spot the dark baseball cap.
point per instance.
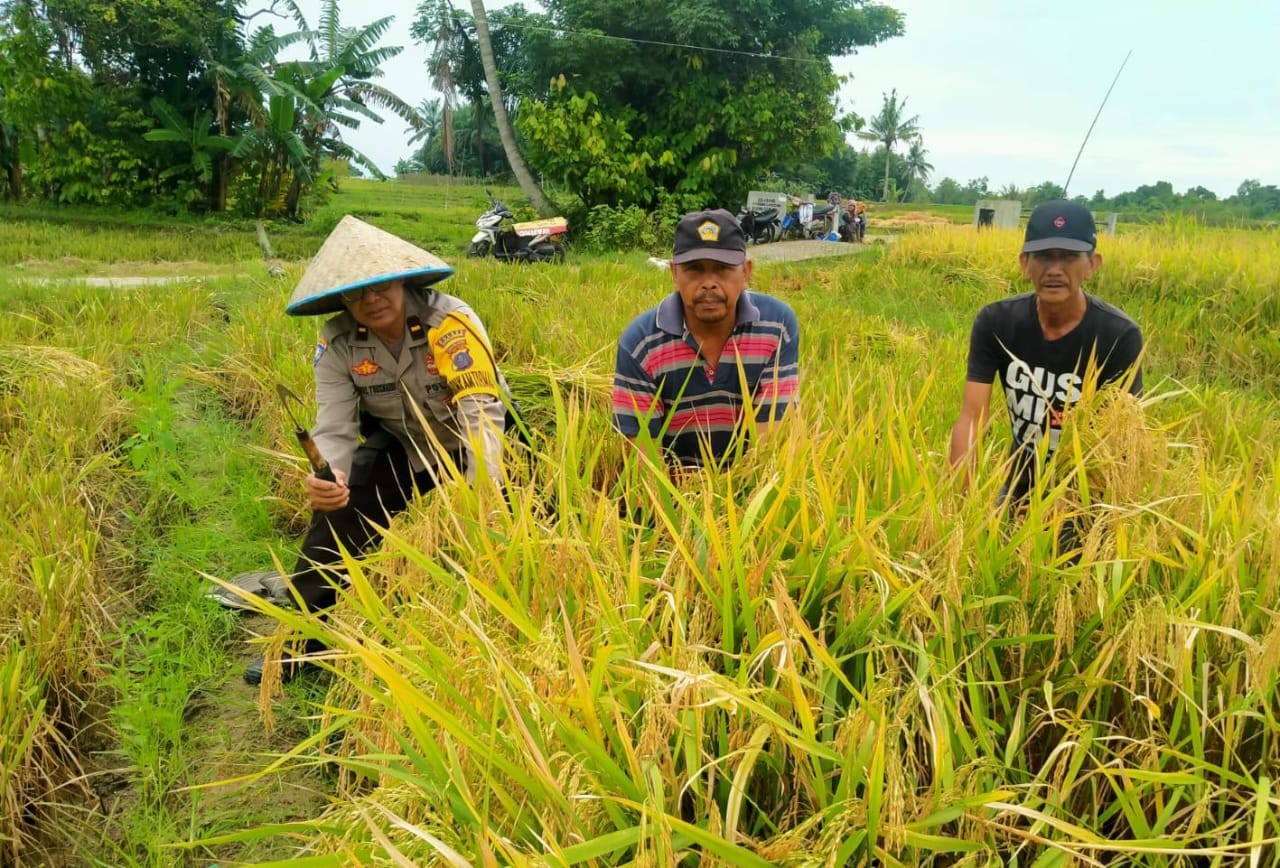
(1060, 225)
(715, 235)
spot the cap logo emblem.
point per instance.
(1059, 222)
(709, 231)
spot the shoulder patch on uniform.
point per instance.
(321, 347)
(460, 353)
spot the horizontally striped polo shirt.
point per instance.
(661, 382)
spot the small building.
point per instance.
(1005, 213)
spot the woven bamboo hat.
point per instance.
(356, 255)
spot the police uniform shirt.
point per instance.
(445, 368)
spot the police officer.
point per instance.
(398, 354)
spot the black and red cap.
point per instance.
(1060, 225)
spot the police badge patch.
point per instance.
(321, 346)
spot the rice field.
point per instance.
(832, 654)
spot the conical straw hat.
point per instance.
(356, 255)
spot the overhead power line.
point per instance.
(610, 37)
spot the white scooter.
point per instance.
(532, 241)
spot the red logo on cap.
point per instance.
(1059, 222)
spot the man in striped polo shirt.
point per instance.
(690, 370)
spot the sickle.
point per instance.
(318, 464)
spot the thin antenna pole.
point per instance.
(1095, 121)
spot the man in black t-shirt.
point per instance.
(1043, 344)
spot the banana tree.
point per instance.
(277, 150)
(204, 147)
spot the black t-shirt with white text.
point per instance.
(1043, 377)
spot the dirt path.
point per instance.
(127, 282)
(231, 742)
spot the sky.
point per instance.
(1007, 88)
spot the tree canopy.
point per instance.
(134, 102)
(691, 99)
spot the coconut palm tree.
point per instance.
(430, 120)
(888, 128)
(448, 31)
(917, 162)
(514, 159)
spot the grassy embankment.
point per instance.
(828, 653)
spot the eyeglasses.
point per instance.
(351, 296)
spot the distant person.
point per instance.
(851, 228)
(834, 199)
(682, 366)
(398, 352)
(1044, 343)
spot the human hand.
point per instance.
(328, 496)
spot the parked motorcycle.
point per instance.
(820, 225)
(531, 241)
(761, 226)
(792, 228)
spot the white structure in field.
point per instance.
(1005, 213)
(758, 200)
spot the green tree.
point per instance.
(711, 96)
(918, 166)
(450, 34)
(430, 124)
(1044, 193)
(199, 139)
(890, 126)
(948, 192)
(1259, 200)
(975, 189)
(279, 153)
(334, 89)
(869, 176)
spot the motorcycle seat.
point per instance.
(767, 215)
(550, 226)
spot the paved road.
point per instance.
(787, 251)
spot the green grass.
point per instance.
(829, 655)
(136, 479)
(47, 239)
